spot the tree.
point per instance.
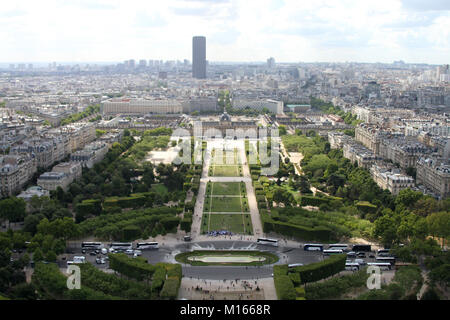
(12, 209)
(408, 197)
(439, 224)
(37, 255)
(386, 229)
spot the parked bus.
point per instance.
(332, 251)
(362, 247)
(91, 245)
(293, 265)
(391, 260)
(337, 246)
(147, 245)
(352, 266)
(121, 245)
(382, 265)
(313, 247)
(271, 242)
(383, 252)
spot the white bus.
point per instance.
(146, 245)
(391, 260)
(382, 265)
(383, 252)
(332, 251)
(313, 247)
(271, 242)
(293, 265)
(352, 266)
(91, 245)
(121, 245)
(341, 246)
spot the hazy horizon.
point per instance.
(238, 31)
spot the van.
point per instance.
(104, 251)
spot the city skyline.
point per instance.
(382, 31)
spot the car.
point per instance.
(63, 258)
(104, 251)
(98, 261)
(351, 254)
(138, 252)
(129, 251)
(83, 251)
(371, 255)
(112, 250)
(92, 253)
(361, 254)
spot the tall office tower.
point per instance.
(142, 63)
(271, 63)
(199, 57)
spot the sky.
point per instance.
(416, 31)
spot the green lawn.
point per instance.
(222, 204)
(231, 222)
(226, 171)
(226, 188)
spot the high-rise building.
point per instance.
(271, 63)
(199, 57)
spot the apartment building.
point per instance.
(15, 171)
(391, 179)
(434, 174)
(359, 154)
(91, 154)
(61, 175)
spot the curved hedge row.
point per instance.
(291, 230)
(321, 270)
(165, 277)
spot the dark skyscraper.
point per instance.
(199, 57)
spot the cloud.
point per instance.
(236, 30)
(428, 5)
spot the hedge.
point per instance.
(305, 233)
(185, 224)
(125, 202)
(321, 270)
(284, 287)
(90, 206)
(366, 207)
(170, 288)
(135, 268)
(158, 278)
(131, 232)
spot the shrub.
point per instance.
(321, 270)
(170, 288)
(284, 287)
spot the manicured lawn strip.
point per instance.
(183, 257)
(248, 223)
(226, 171)
(226, 188)
(226, 204)
(205, 223)
(230, 222)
